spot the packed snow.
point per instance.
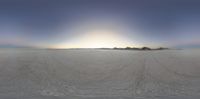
(99, 74)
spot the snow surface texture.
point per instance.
(99, 74)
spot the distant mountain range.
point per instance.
(127, 48)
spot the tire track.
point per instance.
(172, 71)
(139, 82)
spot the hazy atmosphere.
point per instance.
(99, 49)
(99, 23)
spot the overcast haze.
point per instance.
(99, 23)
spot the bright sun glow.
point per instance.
(96, 39)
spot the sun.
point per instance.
(96, 39)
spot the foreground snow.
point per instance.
(99, 74)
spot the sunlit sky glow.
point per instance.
(96, 39)
(99, 23)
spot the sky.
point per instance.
(99, 23)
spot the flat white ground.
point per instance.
(99, 74)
